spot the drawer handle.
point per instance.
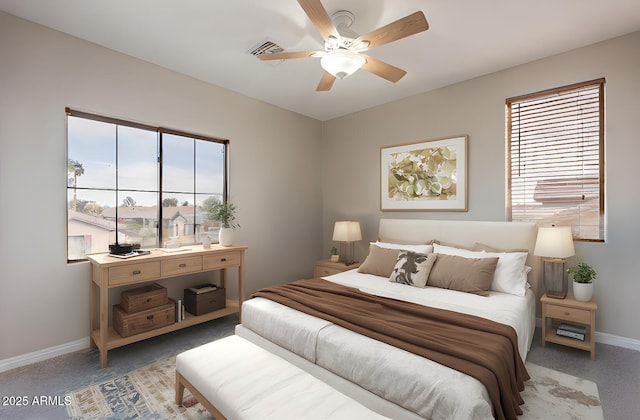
(223, 259)
(150, 317)
(183, 265)
(567, 313)
(136, 272)
(148, 300)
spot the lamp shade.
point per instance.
(347, 232)
(342, 63)
(554, 242)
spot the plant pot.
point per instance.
(226, 236)
(583, 292)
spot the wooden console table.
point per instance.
(109, 272)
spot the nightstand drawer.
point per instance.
(569, 314)
(324, 268)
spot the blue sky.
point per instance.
(93, 144)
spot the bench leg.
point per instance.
(179, 389)
(182, 383)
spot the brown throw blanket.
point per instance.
(483, 349)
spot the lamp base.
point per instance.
(347, 251)
(554, 277)
(556, 295)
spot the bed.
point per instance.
(390, 380)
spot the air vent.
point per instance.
(266, 47)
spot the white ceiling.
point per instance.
(209, 40)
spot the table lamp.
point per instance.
(347, 233)
(555, 244)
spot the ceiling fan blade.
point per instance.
(326, 83)
(288, 55)
(319, 17)
(401, 28)
(382, 69)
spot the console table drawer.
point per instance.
(177, 266)
(569, 314)
(132, 273)
(227, 259)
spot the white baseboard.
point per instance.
(40, 355)
(616, 340)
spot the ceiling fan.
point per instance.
(342, 54)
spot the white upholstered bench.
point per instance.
(236, 379)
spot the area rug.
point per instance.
(148, 393)
(145, 393)
(550, 394)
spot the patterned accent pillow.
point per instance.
(412, 268)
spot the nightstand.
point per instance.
(326, 268)
(571, 311)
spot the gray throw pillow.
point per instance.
(471, 275)
(379, 262)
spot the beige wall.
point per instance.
(350, 172)
(274, 173)
(286, 210)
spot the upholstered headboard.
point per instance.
(500, 235)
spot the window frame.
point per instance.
(548, 93)
(159, 131)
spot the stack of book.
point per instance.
(179, 311)
(572, 331)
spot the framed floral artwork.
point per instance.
(427, 176)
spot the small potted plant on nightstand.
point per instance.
(225, 213)
(334, 254)
(583, 275)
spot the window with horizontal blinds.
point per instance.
(555, 158)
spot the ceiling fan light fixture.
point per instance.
(331, 44)
(342, 63)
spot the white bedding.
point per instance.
(417, 384)
(515, 311)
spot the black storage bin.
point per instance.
(204, 298)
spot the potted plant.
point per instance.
(334, 254)
(225, 214)
(583, 275)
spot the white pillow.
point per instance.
(420, 249)
(510, 275)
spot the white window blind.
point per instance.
(555, 158)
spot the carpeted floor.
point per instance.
(56, 377)
(149, 393)
(616, 371)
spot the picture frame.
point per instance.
(426, 176)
